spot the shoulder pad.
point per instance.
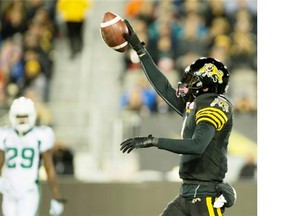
(213, 100)
(214, 109)
(44, 131)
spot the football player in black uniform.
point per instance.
(207, 125)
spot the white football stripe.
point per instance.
(110, 22)
(120, 46)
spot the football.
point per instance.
(112, 28)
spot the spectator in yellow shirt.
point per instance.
(73, 12)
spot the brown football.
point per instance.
(112, 28)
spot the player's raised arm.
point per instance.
(156, 78)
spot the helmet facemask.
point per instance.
(189, 86)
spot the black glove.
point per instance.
(133, 40)
(138, 142)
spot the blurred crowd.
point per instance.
(27, 33)
(28, 30)
(176, 32)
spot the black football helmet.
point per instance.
(205, 72)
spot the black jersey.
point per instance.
(212, 165)
(207, 124)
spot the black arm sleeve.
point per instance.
(203, 135)
(161, 84)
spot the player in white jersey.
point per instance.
(22, 149)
